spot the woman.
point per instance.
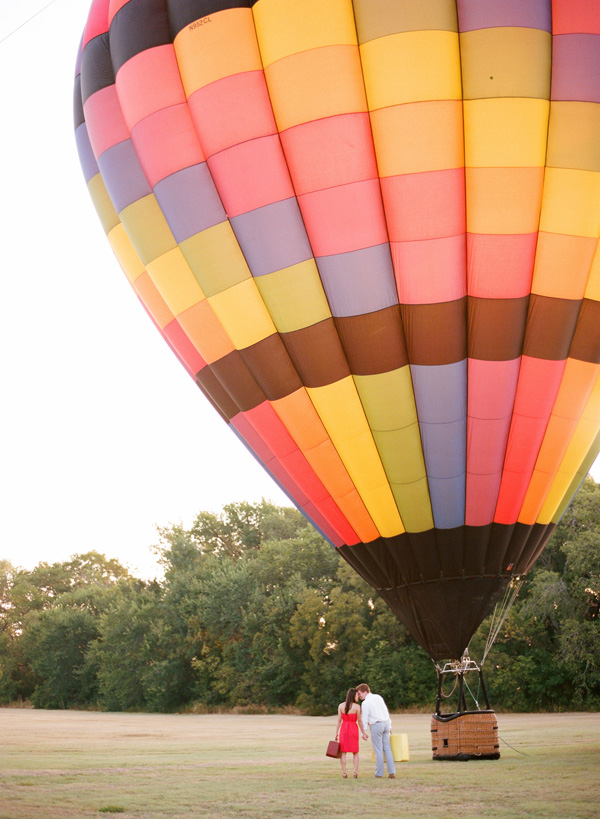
(350, 723)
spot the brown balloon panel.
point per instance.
(442, 584)
(369, 232)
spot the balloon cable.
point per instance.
(10, 33)
(500, 613)
(512, 747)
(473, 696)
(446, 696)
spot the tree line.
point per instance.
(256, 611)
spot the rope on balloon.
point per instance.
(500, 613)
(459, 668)
(10, 33)
(475, 698)
(512, 747)
(446, 696)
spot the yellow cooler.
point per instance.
(399, 743)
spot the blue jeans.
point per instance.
(380, 737)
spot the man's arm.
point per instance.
(364, 713)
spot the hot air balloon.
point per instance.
(369, 231)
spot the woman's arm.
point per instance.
(360, 726)
(339, 722)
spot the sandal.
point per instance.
(356, 776)
(345, 776)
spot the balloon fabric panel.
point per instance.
(505, 77)
(576, 386)
(569, 220)
(369, 231)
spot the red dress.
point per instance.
(349, 734)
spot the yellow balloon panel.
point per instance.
(300, 25)
(312, 85)
(125, 252)
(388, 398)
(571, 203)
(593, 285)
(243, 314)
(147, 228)
(411, 67)
(377, 18)
(216, 259)
(294, 296)
(401, 453)
(175, 281)
(416, 513)
(573, 141)
(506, 132)
(418, 137)
(104, 207)
(341, 412)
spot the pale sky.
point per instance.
(103, 435)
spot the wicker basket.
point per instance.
(468, 735)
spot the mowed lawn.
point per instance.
(60, 764)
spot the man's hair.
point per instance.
(364, 688)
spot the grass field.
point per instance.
(57, 765)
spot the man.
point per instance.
(375, 715)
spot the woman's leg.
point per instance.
(355, 760)
(343, 761)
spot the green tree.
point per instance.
(244, 526)
(234, 581)
(25, 635)
(55, 643)
(257, 609)
(13, 682)
(548, 655)
(395, 665)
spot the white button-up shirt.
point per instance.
(374, 709)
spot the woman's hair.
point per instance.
(350, 699)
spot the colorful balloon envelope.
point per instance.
(369, 231)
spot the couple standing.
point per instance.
(374, 715)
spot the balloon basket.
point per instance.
(464, 736)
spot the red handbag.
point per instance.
(333, 749)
